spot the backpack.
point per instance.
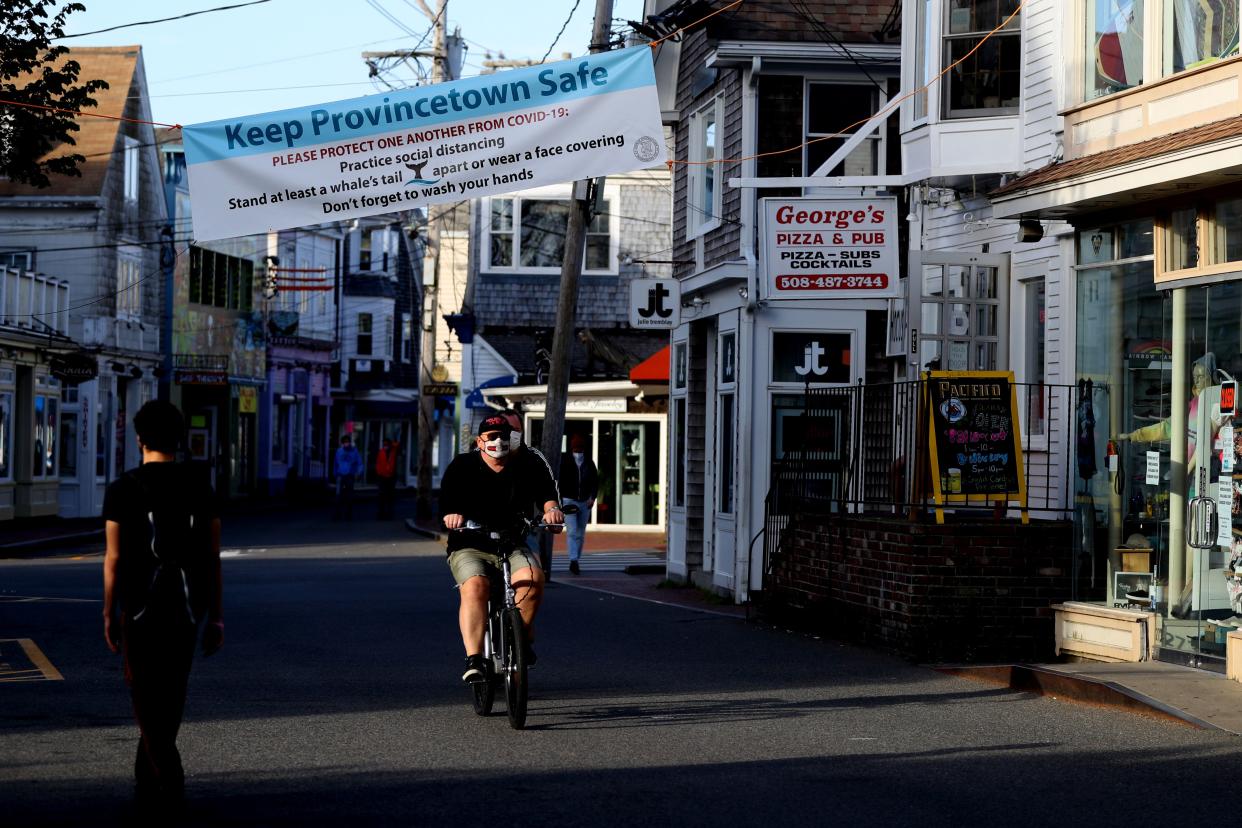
(178, 540)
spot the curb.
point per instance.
(1044, 682)
(646, 569)
(421, 532)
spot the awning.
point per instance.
(653, 369)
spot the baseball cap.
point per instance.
(495, 422)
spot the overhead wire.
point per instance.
(883, 112)
(564, 26)
(163, 19)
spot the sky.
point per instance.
(288, 53)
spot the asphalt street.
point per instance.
(336, 701)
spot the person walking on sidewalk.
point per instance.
(579, 485)
(386, 475)
(161, 579)
(348, 466)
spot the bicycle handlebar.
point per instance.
(496, 534)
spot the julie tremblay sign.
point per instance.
(974, 440)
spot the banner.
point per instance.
(581, 118)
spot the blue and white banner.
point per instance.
(581, 118)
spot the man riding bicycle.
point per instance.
(495, 487)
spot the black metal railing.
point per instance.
(864, 450)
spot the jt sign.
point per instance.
(655, 303)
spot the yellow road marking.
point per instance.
(38, 659)
(42, 665)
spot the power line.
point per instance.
(564, 26)
(391, 18)
(277, 60)
(163, 19)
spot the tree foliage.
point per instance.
(34, 73)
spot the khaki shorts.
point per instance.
(467, 563)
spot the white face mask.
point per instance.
(515, 438)
(496, 448)
(579, 457)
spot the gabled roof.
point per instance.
(96, 138)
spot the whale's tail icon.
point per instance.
(417, 168)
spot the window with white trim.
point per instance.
(17, 259)
(6, 435)
(132, 180)
(527, 234)
(363, 335)
(128, 287)
(924, 60)
(988, 81)
(407, 337)
(705, 199)
(833, 112)
(1034, 412)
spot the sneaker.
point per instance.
(573, 568)
(476, 670)
(530, 656)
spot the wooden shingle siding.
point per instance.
(521, 299)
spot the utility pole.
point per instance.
(566, 309)
(427, 351)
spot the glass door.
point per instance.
(963, 299)
(1204, 580)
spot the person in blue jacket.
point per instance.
(348, 466)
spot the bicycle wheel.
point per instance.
(484, 692)
(514, 652)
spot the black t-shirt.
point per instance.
(494, 498)
(162, 489)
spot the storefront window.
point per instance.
(101, 437)
(1202, 31)
(69, 444)
(6, 435)
(679, 451)
(1114, 46)
(727, 438)
(45, 426)
(1228, 230)
(1182, 249)
(280, 431)
(1150, 368)
(628, 459)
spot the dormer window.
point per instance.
(988, 82)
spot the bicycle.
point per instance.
(504, 633)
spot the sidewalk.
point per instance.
(42, 533)
(1154, 688)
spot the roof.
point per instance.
(593, 354)
(1142, 151)
(96, 137)
(653, 369)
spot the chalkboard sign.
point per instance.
(976, 447)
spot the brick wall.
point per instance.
(959, 592)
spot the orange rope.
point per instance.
(884, 111)
(676, 32)
(91, 114)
